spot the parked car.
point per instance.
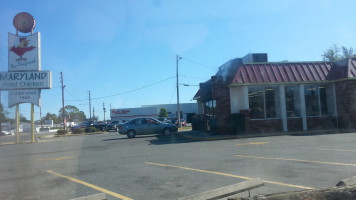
(165, 120)
(182, 121)
(75, 127)
(3, 132)
(138, 126)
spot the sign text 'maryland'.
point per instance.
(25, 80)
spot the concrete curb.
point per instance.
(69, 135)
(347, 182)
(227, 190)
(100, 196)
(45, 136)
(226, 137)
(332, 193)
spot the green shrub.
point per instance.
(78, 131)
(61, 132)
(90, 130)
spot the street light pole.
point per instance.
(89, 107)
(178, 109)
(104, 109)
(63, 110)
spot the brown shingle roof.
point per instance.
(284, 72)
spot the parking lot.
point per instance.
(171, 167)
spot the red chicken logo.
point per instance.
(22, 48)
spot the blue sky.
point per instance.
(113, 46)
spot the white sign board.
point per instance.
(48, 122)
(25, 80)
(24, 96)
(129, 113)
(24, 52)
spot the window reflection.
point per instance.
(256, 102)
(316, 100)
(272, 102)
(292, 101)
(210, 107)
(264, 102)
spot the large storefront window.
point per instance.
(264, 102)
(292, 101)
(316, 100)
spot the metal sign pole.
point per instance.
(32, 123)
(17, 123)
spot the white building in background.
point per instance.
(187, 110)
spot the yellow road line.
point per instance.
(5, 143)
(252, 143)
(297, 160)
(58, 158)
(90, 185)
(351, 150)
(229, 175)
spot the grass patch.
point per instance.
(185, 128)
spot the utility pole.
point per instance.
(63, 110)
(4, 114)
(178, 109)
(93, 113)
(104, 109)
(89, 106)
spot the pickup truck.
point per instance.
(99, 125)
(113, 126)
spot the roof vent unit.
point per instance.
(255, 58)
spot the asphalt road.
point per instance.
(170, 167)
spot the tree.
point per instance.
(3, 117)
(72, 113)
(23, 118)
(336, 53)
(54, 117)
(3, 114)
(163, 112)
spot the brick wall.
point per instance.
(295, 124)
(221, 93)
(320, 123)
(261, 125)
(345, 100)
(346, 103)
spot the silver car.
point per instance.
(146, 125)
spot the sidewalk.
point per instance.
(201, 135)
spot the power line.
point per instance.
(143, 87)
(135, 89)
(174, 90)
(193, 77)
(195, 62)
(74, 95)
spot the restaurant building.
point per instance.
(281, 96)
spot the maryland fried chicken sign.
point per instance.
(24, 52)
